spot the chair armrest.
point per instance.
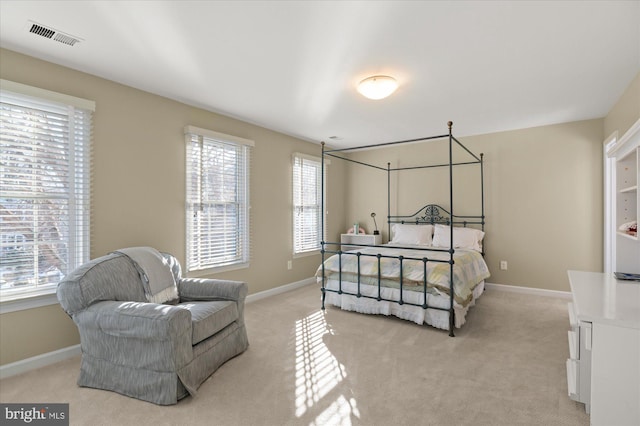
(142, 335)
(140, 320)
(193, 289)
(205, 289)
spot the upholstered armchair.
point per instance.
(146, 331)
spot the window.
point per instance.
(307, 198)
(44, 188)
(217, 200)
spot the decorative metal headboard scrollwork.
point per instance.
(432, 215)
(436, 214)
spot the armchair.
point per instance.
(151, 351)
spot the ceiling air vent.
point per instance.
(63, 38)
(52, 34)
(41, 31)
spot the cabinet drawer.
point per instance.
(572, 379)
(573, 345)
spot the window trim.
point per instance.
(293, 206)
(46, 294)
(189, 132)
(28, 301)
(23, 89)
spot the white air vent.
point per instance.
(51, 33)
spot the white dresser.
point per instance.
(603, 370)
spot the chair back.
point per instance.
(110, 277)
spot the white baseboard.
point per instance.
(530, 290)
(38, 361)
(279, 290)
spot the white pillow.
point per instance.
(412, 234)
(467, 238)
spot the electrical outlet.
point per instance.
(289, 264)
(503, 265)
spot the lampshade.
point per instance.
(377, 86)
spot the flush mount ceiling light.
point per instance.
(377, 86)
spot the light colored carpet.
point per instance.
(506, 366)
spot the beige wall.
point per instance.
(31, 332)
(139, 190)
(543, 196)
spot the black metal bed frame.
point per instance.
(429, 214)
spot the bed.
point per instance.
(432, 271)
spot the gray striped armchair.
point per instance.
(154, 352)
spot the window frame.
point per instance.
(194, 200)
(319, 187)
(78, 192)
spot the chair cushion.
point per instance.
(209, 317)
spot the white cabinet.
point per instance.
(579, 362)
(366, 239)
(625, 199)
(603, 370)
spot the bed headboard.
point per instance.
(432, 214)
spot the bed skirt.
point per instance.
(433, 317)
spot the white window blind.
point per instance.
(45, 178)
(307, 197)
(217, 199)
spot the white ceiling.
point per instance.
(292, 66)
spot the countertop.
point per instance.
(601, 298)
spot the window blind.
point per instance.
(217, 200)
(306, 203)
(45, 160)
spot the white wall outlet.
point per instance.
(503, 265)
(289, 264)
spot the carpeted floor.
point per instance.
(506, 366)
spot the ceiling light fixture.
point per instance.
(377, 86)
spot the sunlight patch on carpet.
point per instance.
(318, 372)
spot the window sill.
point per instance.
(203, 273)
(306, 254)
(23, 302)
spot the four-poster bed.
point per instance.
(433, 268)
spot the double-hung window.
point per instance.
(307, 199)
(45, 153)
(217, 200)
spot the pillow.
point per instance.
(466, 238)
(412, 234)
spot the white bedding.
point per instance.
(433, 317)
(470, 271)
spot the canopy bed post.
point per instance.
(389, 201)
(324, 294)
(482, 188)
(451, 249)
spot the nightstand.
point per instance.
(368, 239)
